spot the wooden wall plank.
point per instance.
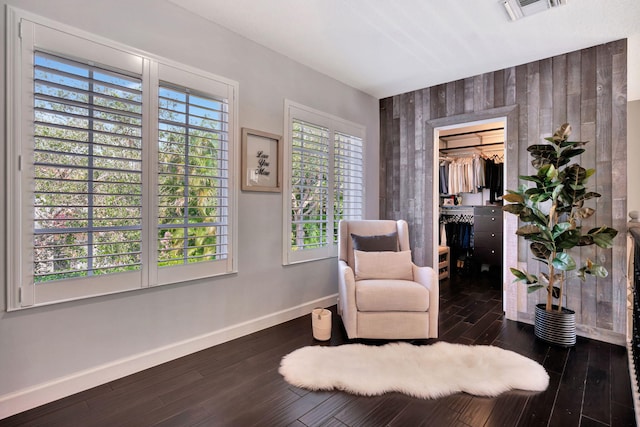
(451, 98)
(533, 122)
(460, 97)
(559, 90)
(588, 133)
(510, 86)
(488, 91)
(522, 100)
(499, 88)
(619, 190)
(427, 192)
(386, 115)
(573, 76)
(468, 95)
(419, 176)
(604, 289)
(478, 93)
(438, 101)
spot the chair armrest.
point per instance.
(347, 298)
(428, 278)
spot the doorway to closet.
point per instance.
(471, 180)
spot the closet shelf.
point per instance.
(466, 147)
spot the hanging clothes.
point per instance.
(494, 170)
(462, 175)
(479, 164)
(444, 177)
(459, 237)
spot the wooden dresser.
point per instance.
(487, 235)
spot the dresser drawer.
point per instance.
(487, 211)
(487, 223)
(487, 239)
(485, 255)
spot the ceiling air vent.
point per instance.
(517, 9)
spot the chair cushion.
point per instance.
(377, 243)
(391, 295)
(383, 265)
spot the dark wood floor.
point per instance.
(237, 383)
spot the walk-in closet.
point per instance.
(471, 185)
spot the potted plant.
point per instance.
(551, 212)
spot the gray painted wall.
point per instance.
(43, 344)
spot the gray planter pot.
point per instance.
(555, 327)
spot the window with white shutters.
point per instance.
(325, 182)
(119, 166)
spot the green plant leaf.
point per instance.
(530, 178)
(563, 261)
(568, 239)
(599, 271)
(513, 197)
(603, 236)
(587, 196)
(556, 191)
(533, 288)
(528, 229)
(584, 213)
(547, 172)
(541, 197)
(560, 228)
(573, 174)
(592, 269)
(543, 154)
(571, 152)
(526, 215)
(540, 250)
(572, 143)
(523, 276)
(514, 209)
(590, 172)
(585, 240)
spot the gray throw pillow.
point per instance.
(377, 243)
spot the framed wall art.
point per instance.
(261, 166)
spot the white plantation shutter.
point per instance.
(348, 193)
(325, 181)
(193, 177)
(88, 176)
(309, 185)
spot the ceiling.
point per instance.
(385, 47)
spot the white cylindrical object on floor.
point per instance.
(321, 323)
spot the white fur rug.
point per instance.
(425, 371)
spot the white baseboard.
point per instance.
(23, 400)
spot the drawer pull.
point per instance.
(493, 234)
(493, 219)
(493, 252)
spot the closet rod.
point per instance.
(445, 150)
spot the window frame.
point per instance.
(27, 33)
(334, 124)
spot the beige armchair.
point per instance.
(382, 294)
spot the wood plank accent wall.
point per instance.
(586, 88)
